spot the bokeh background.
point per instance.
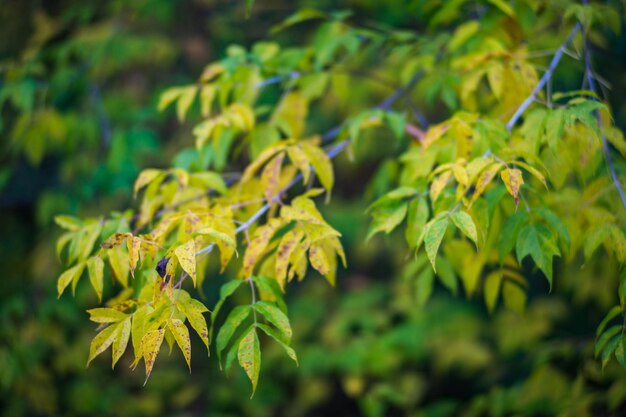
(79, 83)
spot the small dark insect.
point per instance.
(162, 266)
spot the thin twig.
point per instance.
(542, 82)
(605, 144)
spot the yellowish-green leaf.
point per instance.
(118, 259)
(492, 289)
(263, 157)
(120, 343)
(68, 223)
(319, 260)
(465, 223)
(193, 310)
(145, 178)
(133, 244)
(102, 341)
(207, 93)
(106, 315)
(95, 267)
(321, 164)
(71, 275)
(187, 94)
(432, 238)
(300, 160)
(276, 317)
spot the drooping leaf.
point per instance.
(321, 165)
(102, 341)
(465, 223)
(186, 255)
(69, 276)
(230, 326)
(282, 342)
(537, 241)
(150, 347)
(249, 356)
(432, 239)
(181, 335)
(276, 317)
(513, 180)
(121, 340)
(95, 268)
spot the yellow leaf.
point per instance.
(102, 341)
(106, 315)
(118, 259)
(513, 180)
(301, 161)
(242, 115)
(460, 174)
(437, 186)
(207, 93)
(95, 267)
(533, 171)
(319, 260)
(114, 240)
(484, 179)
(138, 327)
(290, 114)
(271, 175)
(146, 177)
(133, 243)
(150, 346)
(193, 310)
(186, 255)
(321, 164)
(495, 76)
(263, 157)
(181, 335)
(434, 133)
(258, 244)
(71, 275)
(187, 94)
(122, 335)
(286, 247)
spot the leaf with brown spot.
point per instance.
(437, 186)
(186, 255)
(101, 342)
(265, 156)
(181, 335)
(120, 343)
(484, 179)
(287, 245)
(318, 260)
(321, 164)
(513, 180)
(118, 259)
(300, 160)
(133, 243)
(249, 356)
(258, 244)
(95, 267)
(150, 347)
(114, 240)
(71, 275)
(271, 176)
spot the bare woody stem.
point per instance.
(605, 144)
(542, 82)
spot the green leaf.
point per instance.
(387, 217)
(417, 217)
(230, 326)
(492, 289)
(446, 275)
(275, 316)
(464, 222)
(555, 223)
(226, 291)
(424, 287)
(604, 338)
(555, 124)
(614, 312)
(68, 223)
(433, 237)
(514, 297)
(277, 337)
(537, 241)
(510, 232)
(249, 356)
(610, 348)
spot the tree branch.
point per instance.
(605, 144)
(542, 82)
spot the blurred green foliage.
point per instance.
(78, 94)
